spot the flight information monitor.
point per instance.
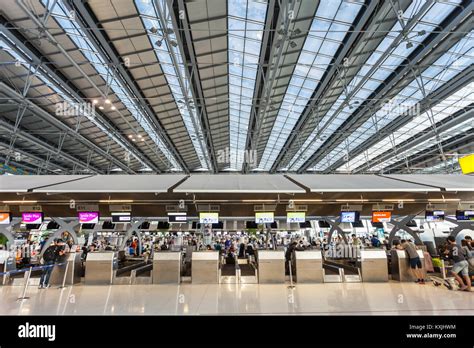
(122, 216)
(263, 218)
(5, 218)
(463, 215)
(177, 218)
(32, 218)
(295, 217)
(88, 217)
(434, 215)
(381, 216)
(349, 216)
(209, 218)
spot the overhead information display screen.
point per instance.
(88, 217)
(434, 216)
(32, 218)
(263, 218)
(381, 216)
(464, 215)
(177, 217)
(349, 216)
(121, 216)
(5, 218)
(209, 218)
(296, 217)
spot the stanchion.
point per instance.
(64, 278)
(291, 275)
(27, 280)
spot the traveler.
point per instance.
(415, 262)
(375, 241)
(50, 256)
(355, 240)
(461, 265)
(469, 240)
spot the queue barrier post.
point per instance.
(27, 280)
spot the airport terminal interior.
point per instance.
(233, 157)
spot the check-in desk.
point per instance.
(309, 266)
(166, 267)
(7, 263)
(68, 270)
(373, 265)
(205, 267)
(271, 266)
(100, 268)
(401, 265)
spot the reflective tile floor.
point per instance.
(229, 299)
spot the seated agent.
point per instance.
(461, 265)
(415, 262)
(50, 257)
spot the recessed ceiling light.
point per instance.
(107, 101)
(94, 101)
(130, 136)
(134, 139)
(113, 108)
(139, 135)
(101, 107)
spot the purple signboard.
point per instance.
(89, 217)
(32, 218)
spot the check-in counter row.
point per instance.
(167, 267)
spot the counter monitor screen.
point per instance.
(434, 215)
(5, 218)
(32, 218)
(296, 217)
(88, 217)
(177, 218)
(264, 218)
(381, 216)
(462, 215)
(349, 216)
(209, 218)
(121, 216)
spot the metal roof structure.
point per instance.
(103, 87)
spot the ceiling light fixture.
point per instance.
(158, 43)
(293, 44)
(153, 30)
(101, 107)
(107, 101)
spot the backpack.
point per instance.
(49, 254)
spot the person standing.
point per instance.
(461, 265)
(415, 262)
(50, 256)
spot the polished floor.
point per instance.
(229, 299)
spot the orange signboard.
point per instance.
(4, 218)
(381, 216)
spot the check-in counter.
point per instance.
(401, 265)
(373, 265)
(68, 270)
(166, 267)
(100, 268)
(271, 266)
(205, 267)
(309, 266)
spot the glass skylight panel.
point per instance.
(450, 105)
(442, 110)
(333, 119)
(75, 33)
(178, 82)
(47, 80)
(462, 128)
(318, 50)
(246, 24)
